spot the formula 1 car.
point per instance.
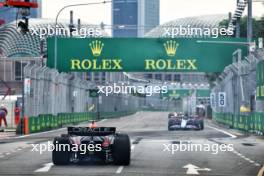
(180, 121)
(91, 144)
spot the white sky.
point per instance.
(169, 9)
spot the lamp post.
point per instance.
(56, 23)
(249, 21)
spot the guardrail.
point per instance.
(251, 122)
(46, 122)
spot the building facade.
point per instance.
(134, 18)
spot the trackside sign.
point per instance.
(142, 54)
(260, 81)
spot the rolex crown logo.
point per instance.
(171, 47)
(96, 47)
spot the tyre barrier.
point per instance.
(46, 122)
(250, 122)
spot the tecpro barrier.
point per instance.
(251, 122)
(46, 122)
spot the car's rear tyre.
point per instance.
(202, 125)
(121, 149)
(60, 157)
(65, 135)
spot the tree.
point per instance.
(257, 24)
(211, 78)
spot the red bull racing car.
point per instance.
(91, 144)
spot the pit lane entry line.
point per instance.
(235, 152)
(223, 131)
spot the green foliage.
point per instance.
(211, 77)
(258, 26)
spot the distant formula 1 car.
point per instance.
(180, 121)
(91, 144)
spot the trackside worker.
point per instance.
(3, 113)
(17, 115)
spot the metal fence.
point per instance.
(238, 81)
(11, 84)
(48, 92)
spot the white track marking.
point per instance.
(133, 147)
(7, 153)
(46, 168)
(119, 169)
(236, 152)
(102, 120)
(223, 131)
(245, 158)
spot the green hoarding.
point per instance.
(203, 93)
(177, 93)
(260, 81)
(142, 54)
(93, 93)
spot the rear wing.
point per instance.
(87, 131)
